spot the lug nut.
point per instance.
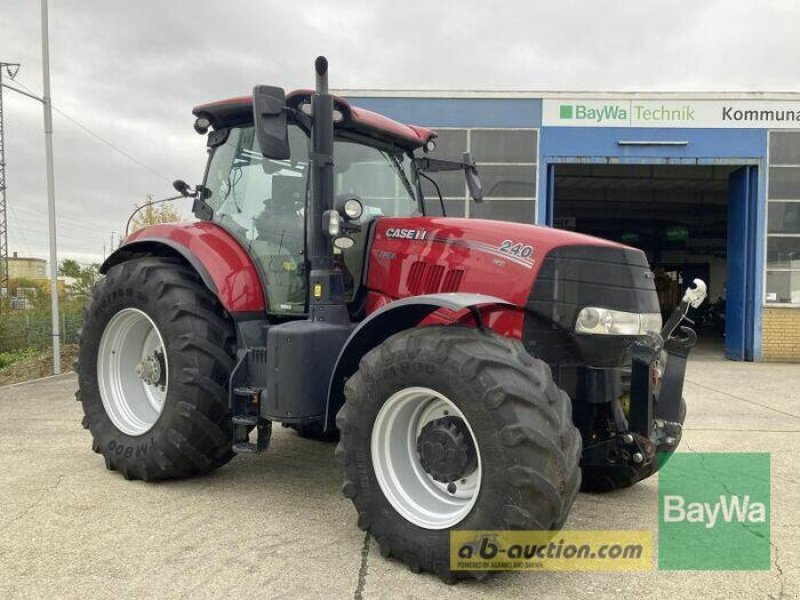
(637, 457)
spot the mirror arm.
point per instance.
(435, 165)
(436, 187)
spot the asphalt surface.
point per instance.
(277, 526)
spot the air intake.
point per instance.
(425, 278)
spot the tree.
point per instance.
(83, 278)
(152, 214)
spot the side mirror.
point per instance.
(181, 187)
(269, 119)
(473, 181)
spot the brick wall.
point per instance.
(780, 339)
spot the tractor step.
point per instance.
(245, 420)
(248, 392)
(242, 426)
(246, 448)
(245, 404)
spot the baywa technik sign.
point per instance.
(758, 114)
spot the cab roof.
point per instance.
(239, 111)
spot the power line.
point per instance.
(19, 227)
(99, 138)
(11, 70)
(86, 224)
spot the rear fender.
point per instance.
(218, 258)
(388, 320)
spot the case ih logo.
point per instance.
(407, 234)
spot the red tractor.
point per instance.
(477, 373)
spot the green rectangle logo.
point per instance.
(714, 511)
(565, 111)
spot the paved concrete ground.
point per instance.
(276, 525)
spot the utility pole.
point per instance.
(51, 190)
(11, 70)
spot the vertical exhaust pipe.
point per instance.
(327, 284)
(321, 67)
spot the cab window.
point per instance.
(263, 203)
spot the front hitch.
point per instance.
(658, 371)
(656, 389)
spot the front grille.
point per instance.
(573, 277)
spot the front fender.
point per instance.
(219, 259)
(392, 318)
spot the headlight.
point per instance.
(616, 322)
(353, 209)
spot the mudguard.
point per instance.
(393, 318)
(219, 259)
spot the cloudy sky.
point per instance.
(130, 71)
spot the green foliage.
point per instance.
(83, 278)
(70, 268)
(153, 214)
(9, 358)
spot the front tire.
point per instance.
(452, 391)
(155, 357)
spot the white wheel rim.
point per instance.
(132, 371)
(412, 492)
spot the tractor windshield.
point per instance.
(263, 203)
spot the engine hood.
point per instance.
(425, 255)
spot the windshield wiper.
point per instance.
(401, 172)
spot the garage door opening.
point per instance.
(678, 215)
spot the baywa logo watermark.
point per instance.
(621, 550)
(714, 511)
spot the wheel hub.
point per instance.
(148, 370)
(151, 369)
(445, 449)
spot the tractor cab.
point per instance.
(263, 201)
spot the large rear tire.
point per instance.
(156, 353)
(472, 396)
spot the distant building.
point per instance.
(20, 267)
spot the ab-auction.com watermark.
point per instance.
(714, 514)
(576, 550)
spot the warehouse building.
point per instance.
(21, 267)
(708, 185)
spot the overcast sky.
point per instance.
(132, 70)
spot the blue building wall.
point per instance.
(458, 112)
(558, 145)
